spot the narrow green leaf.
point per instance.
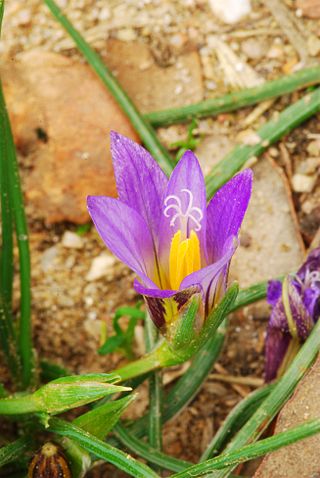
(250, 295)
(100, 421)
(155, 390)
(101, 450)
(7, 333)
(17, 208)
(52, 371)
(255, 450)
(1, 13)
(269, 133)
(13, 451)
(238, 416)
(152, 455)
(237, 99)
(111, 344)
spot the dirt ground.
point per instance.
(70, 302)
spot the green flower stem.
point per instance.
(155, 391)
(152, 455)
(269, 133)
(249, 452)
(189, 384)
(277, 398)
(18, 404)
(13, 451)
(141, 125)
(100, 449)
(238, 99)
(235, 420)
(162, 356)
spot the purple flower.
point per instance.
(295, 310)
(163, 229)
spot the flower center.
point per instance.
(184, 258)
(191, 214)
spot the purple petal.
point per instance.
(153, 292)
(277, 343)
(186, 192)
(307, 282)
(141, 183)
(165, 306)
(212, 276)
(300, 314)
(311, 264)
(274, 292)
(311, 300)
(125, 233)
(226, 211)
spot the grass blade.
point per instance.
(254, 450)
(17, 208)
(140, 124)
(100, 449)
(237, 99)
(7, 333)
(100, 420)
(269, 133)
(13, 451)
(235, 420)
(152, 455)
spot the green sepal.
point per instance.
(100, 421)
(185, 327)
(218, 314)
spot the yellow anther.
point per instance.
(184, 258)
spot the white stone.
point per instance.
(230, 11)
(71, 240)
(100, 266)
(48, 258)
(302, 183)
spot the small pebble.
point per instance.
(71, 240)
(308, 166)
(302, 183)
(48, 258)
(100, 266)
(127, 34)
(253, 49)
(230, 11)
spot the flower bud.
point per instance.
(49, 462)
